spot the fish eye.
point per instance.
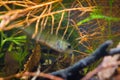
(69, 46)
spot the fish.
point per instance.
(52, 41)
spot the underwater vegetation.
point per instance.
(54, 34)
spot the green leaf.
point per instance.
(98, 16)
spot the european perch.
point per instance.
(50, 40)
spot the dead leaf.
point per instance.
(11, 65)
(109, 60)
(33, 60)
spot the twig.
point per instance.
(20, 75)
